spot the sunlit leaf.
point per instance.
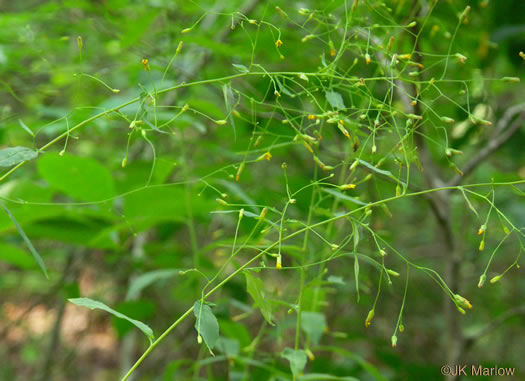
(255, 288)
(206, 324)
(297, 359)
(93, 304)
(15, 155)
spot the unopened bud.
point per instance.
(496, 279)
(369, 318)
(482, 279)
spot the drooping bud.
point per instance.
(482, 279)
(221, 201)
(462, 302)
(461, 58)
(369, 318)
(394, 341)
(281, 12)
(179, 47)
(496, 279)
(392, 272)
(239, 171)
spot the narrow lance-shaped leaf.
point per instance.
(206, 324)
(35, 254)
(356, 260)
(381, 171)
(15, 155)
(468, 202)
(93, 304)
(342, 196)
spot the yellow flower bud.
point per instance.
(347, 186)
(462, 302)
(239, 171)
(482, 229)
(179, 47)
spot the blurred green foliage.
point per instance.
(123, 208)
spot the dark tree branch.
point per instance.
(494, 324)
(499, 138)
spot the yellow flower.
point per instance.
(145, 62)
(278, 43)
(264, 156)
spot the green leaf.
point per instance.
(35, 254)
(297, 360)
(206, 324)
(93, 304)
(469, 203)
(314, 324)
(25, 128)
(343, 196)
(15, 155)
(381, 171)
(79, 177)
(139, 309)
(335, 99)
(325, 377)
(241, 68)
(144, 280)
(230, 347)
(336, 279)
(16, 256)
(255, 288)
(356, 272)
